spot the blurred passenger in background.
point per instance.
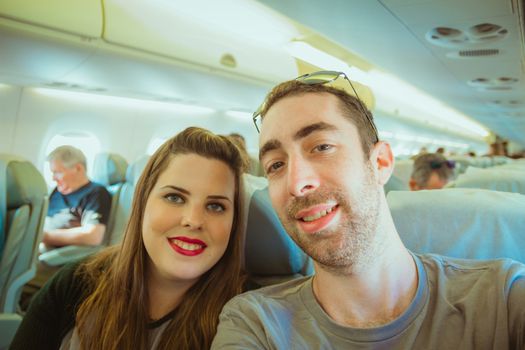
(252, 164)
(78, 208)
(431, 171)
(78, 212)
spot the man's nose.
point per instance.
(302, 177)
(192, 217)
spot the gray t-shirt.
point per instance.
(459, 304)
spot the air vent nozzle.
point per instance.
(475, 35)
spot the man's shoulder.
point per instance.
(459, 264)
(502, 270)
(94, 189)
(281, 294)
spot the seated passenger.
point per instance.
(164, 286)
(78, 208)
(252, 164)
(431, 171)
(326, 169)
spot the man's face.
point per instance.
(324, 190)
(66, 178)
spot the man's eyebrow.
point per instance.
(273, 144)
(270, 145)
(307, 130)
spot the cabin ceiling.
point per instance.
(477, 69)
(228, 53)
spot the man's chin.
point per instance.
(63, 190)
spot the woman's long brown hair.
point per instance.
(115, 313)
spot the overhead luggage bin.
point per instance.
(82, 17)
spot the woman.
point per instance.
(179, 262)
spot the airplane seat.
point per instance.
(514, 165)
(403, 170)
(462, 164)
(461, 222)
(125, 200)
(109, 170)
(500, 160)
(395, 184)
(23, 207)
(497, 178)
(271, 256)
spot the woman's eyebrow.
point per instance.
(180, 189)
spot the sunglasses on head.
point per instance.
(438, 164)
(322, 77)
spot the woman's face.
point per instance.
(188, 218)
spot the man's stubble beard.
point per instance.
(353, 244)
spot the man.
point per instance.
(78, 208)
(431, 171)
(77, 214)
(326, 170)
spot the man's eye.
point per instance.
(216, 207)
(323, 147)
(274, 167)
(174, 198)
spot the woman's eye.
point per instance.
(274, 167)
(216, 207)
(323, 147)
(174, 198)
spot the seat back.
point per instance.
(109, 170)
(461, 222)
(403, 170)
(123, 209)
(271, 256)
(23, 207)
(498, 178)
(395, 184)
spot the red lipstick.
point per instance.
(187, 246)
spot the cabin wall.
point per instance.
(31, 117)
(9, 102)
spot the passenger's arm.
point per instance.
(89, 234)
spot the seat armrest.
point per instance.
(63, 255)
(8, 325)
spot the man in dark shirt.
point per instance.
(77, 215)
(78, 208)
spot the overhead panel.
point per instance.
(205, 34)
(82, 17)
(35, 55)
(477, 45)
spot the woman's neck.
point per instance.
(165, 295)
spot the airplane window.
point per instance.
(87, 143)
(154, 144)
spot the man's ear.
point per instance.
(79, 167)
(383, 160)
(413, 185)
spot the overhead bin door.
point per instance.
(82, 17)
